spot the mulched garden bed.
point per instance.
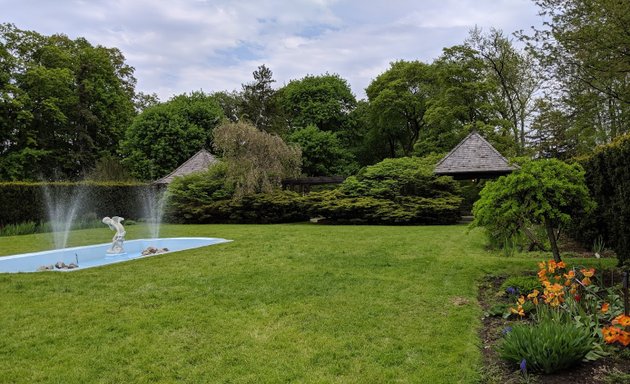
(614, 369)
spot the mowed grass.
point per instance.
(282, 303)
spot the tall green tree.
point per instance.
(258, 101)
(163, 136)
(515, 74)
(63, 104)
(398, 101)
(322, 152)
(324, 101)
(583, 49)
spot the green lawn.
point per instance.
(282, 303)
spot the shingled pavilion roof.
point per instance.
(473, 158)
(200, 161)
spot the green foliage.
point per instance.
(262, 208)
(608, 180)
(257, 103)
(544, 192)
(322, 152)
(324, 101)
(257, 161)
(24, 228)
(163, 136)
(207, 197)
(200, 188)
(547, 346)
(407, 176)
(398, 102)
(341, 209)
(109, 168)
(23, 202)
(65, 103)
(524, 284)
(394, 191)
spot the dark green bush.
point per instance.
(341, 209)
(394, 191)
(608, 179)
(22, 202)
(276, 207)
(548, 346)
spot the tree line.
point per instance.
(69, 109)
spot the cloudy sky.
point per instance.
(179, 46)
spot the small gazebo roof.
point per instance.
(200, 161)
(473, 158)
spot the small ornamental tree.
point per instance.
(257, 161)
(543, 192)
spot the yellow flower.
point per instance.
(534, 296)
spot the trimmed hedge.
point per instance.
(398, 191)
(21, 201)
(277, 207)
(608, 179)
(405, 210)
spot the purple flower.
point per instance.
(507, 330)
(524, 366)
(511, 291)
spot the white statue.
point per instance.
(119, 238)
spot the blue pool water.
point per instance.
(96, 255)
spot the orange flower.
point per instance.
(561, 265)
(573, 289)
(610, 334)
(542, 275)
(605, 307)
(551, 266)
(622, 320)
(541, 265)
(624, 338)
(588, 272)
(586, 281)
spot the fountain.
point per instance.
(62, 211)
(153, 202)
(114, 224)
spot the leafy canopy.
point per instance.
(545, 192)
(165, 135)
(257, 161)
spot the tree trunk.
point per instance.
(551, 233)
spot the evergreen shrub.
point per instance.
(395, 191)
(608, 179)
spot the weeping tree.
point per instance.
(257, 161)
(549, 193)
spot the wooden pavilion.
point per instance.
(474, 158)
(200, 161)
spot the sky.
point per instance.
(180, 46)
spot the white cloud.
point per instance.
(185, 45)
